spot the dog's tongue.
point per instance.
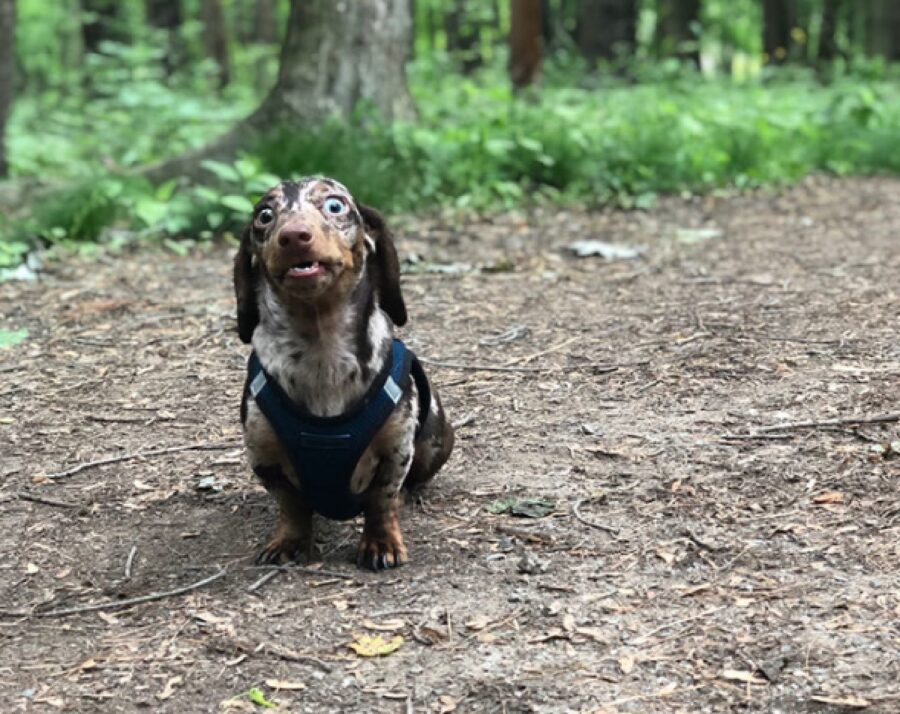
(305, 269)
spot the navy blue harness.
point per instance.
(324, 451)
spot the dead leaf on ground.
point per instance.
(282, 684)
(626, 664)
(386, 626)
(851, 701)
(169, 689)
(377, 646)
(736, 675)
(829, 497)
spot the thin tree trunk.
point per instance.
(779, 18)
(265, 26)
(166, 15)
(525, 42)
(334, 56)
(675, 33)
(828, 47)
(215, 39)
(7, 73)
(882, 30)
(606, 28)
(101, 19)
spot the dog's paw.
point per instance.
(382, 552)
(286, 549)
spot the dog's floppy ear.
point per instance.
(246, 276)
(385, 266)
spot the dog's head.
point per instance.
(312, 242)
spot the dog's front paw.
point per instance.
(285, 548)
(382, 550)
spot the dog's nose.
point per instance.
(296, 233)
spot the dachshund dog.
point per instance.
(338, 416)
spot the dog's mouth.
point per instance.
(306, 270)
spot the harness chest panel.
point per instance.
(324, 451)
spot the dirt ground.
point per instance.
(696, 547)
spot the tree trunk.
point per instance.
(166, 15)
(606, 28)
(7, 72)
(215, 39)
(828, 49)
(101, 20)
(525, 42)
(265, 26)
(779, 18)
(882, 38)
(462, 33)
(675, 33)
(334, 56)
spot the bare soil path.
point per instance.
(700, 546)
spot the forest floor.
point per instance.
(698, 444)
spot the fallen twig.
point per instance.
(25, 496)
(848, 421)
(577, 513)
(119, 604)
(130, 561)
(523, 533)
(603, 368)
(141, 454)
(234, 645)
(675, 623)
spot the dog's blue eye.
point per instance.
(334, 206)
(265, 216)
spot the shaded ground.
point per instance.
(745, 571)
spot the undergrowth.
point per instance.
(473, 146)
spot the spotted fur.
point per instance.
(325, 340)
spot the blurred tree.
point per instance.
(606, 28)
(462, 30)
(883, 31)
(335, 56)
(779, 20)
(265, 26)
(828, 46)
(677, 29)
(7, 72)
(100, 22)
(215, 39)
(525, 40)
(165, 15)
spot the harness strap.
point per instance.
(324, 451)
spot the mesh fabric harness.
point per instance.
(324, 451)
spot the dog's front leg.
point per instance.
(382, 544)
(293, 537)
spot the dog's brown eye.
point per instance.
(265, 216)
(334, 206)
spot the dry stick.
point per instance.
(25, 496)
(554, 348)
(577, 513)
(119, 604)
(849, 421)
(130, 562)
(675, 623)
(600, 368)
(141, 454)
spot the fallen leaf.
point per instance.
(256, 696)
(478, 623)
(386, 626)
(376, 646)
(169, 689)
(107, 618)
(666, 555)
(524, 508)
(568, 623)
(210, 619)
(282, 684)
(602, 249)
(432, 635)
(31, 569)
(448, 704)
(341, 605)
(735, 675)
(486, 638)
(829, 497)
(626, 664)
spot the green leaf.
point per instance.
(9, 338)
(256, 696)
(238, 204)
(226, 172)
